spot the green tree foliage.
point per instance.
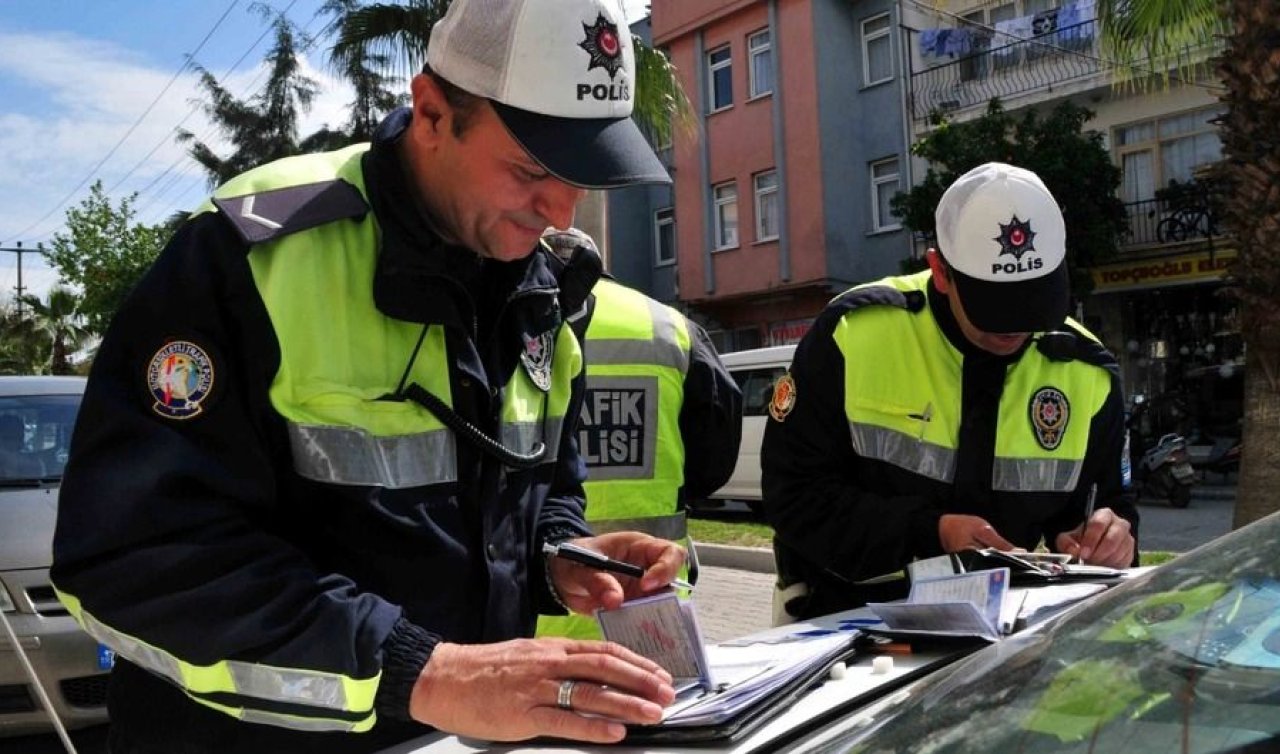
(264, 127)
(103, 253)
(1072, 162)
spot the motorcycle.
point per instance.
(1163, 469)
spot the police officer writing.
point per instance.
(662, 419)
(325, 440)
(951, 409)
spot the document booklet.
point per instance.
(967, 604)
(663, 628)
(721, 689)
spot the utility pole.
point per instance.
(17, 249)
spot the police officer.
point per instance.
(936, 412)
(662, 418)
(326, 438)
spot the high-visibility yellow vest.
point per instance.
(905, 411)
(637, 354)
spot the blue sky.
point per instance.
(91, 89)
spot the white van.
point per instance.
(755, 372)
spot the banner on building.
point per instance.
(1183, 269)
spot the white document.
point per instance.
(967, 604)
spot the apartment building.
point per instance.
(780, 197)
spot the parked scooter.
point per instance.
(1161, 469)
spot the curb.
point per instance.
(758, 559)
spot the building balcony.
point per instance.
(991, 69)
(1157, 223)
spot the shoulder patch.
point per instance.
(271, 214)
(878, 295)
(784, 397)
(180, 378)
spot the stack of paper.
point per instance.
(745, 675)
(719, 682)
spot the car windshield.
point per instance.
(1183, 659)
(35, 433)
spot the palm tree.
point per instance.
(1249, 68)
(398, 33)
(57, 323)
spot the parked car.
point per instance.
(1182, 658)
(755, 372)
(36, 418)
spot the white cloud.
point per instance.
(81, 97)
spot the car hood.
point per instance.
(27, 517)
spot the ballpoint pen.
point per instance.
(1088, 512)
(600, 561)
(1088, 503)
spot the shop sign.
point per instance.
(1183, 269)
(786, 333)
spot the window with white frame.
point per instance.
(720, 78)
(725, 197)
(884, 184)
(766, 190)
(760, 63)
(877, 55)
(664, 236)
(1154, 152)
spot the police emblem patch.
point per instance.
(536, 357)
(179, 377)
(1015, 238)
(784, 397)
(603, 45)
(1050, 411)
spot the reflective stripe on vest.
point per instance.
(329, 691)
(637, 353)
(905, 410)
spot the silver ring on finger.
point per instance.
(564, 698)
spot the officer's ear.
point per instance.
(941, 272)
(430, 107)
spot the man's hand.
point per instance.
(584, 589)
(1105, 540)
(508, 691)
(958, 533)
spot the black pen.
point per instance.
(593, 559)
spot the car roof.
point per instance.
(29, 384)
(759, 356)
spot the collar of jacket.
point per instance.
(420, 277)
(941, 308)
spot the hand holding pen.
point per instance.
(618, 566)
(1103, 538)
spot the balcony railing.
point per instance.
(1157, 222)
(1007, 69)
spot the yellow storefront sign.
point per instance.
(1183, 269)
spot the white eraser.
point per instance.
(837, 671)
(881, 665)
